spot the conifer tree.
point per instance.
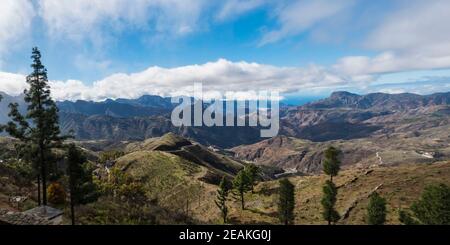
(252, 172)
(241, 185)
(38, 129)
(376, 210)
(286, 202)
(221, 198)
(328, 201)
(82, 188)
(331, 164)
(331, 167)
(431, 209)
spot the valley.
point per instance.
(392, 144)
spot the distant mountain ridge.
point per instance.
(343, 115)
(149, 101)
(343, 99)
(112, 108)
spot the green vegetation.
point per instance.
(106, 156)
(331, 167)
(331, 163)
(286, 202)
(159, 171)
(252, 172)
(56, 194)
(376, 210)
(242, 185)
(82, 188)
(329, 213)
(433, 207)
(221, 198)
(38, 130)
(121, 189)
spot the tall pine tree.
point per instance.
(286, 202)
(242, 185)
(38, 129)
(221, 198)
(331, 167)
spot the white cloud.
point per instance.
(302, 15)
(418, 26)
(421, 85)
(234, 8)
(226, 76)
(222, 75)
(81, 19)
(12, 84)
(15, 21)
(390, 62)
(414, 37)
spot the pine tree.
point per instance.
(252, 172)
(82, 188)
(38, 129)
(331, 164)
(221, 198)
(376, 210)
(328, 201)
(241, 185)
(286, 202)
(433, 207)
(331, 167)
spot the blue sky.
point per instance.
(98, 49)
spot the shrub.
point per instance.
(56, 193)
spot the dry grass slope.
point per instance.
(400, 185)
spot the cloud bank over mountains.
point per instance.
(410, 36)
(221, 75)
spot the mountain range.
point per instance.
(355, 117)
(391, 143)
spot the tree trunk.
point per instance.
(39, 189)
(242, 200)
(72, 210)
(43, 173)
(72, 191)
(285, 214)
